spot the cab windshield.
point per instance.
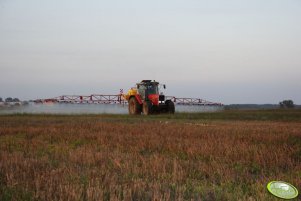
(152, 89)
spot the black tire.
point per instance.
(134, 106)
(147, 108)
(170, 107)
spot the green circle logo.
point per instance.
(282, 189)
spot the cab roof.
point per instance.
(147, 82)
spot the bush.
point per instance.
(9, 99)
(287, 104)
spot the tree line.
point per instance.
(10, 99)
(282, 104)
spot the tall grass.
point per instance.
(147, 158)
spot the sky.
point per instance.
(234, 51)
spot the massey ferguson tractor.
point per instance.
(145, 98)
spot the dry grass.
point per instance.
(108, 158)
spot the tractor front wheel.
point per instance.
(170, 106)
(134, 106)
(147, 108)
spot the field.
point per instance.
(229, 155)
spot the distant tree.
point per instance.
(1, 99)
(16, 100)
(9, 99)
(287, 104)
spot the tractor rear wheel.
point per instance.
(170, 107)
(147, 108)
(134, 106)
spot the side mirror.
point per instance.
(164, 86)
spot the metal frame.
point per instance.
(192, 101)
(118, 99)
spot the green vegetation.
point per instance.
(287, 104)
(229, 155)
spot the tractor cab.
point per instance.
(147, 87)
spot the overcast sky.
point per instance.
(234, 51)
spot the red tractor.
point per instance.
(146, 99)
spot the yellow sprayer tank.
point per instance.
(131, 92)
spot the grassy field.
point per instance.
(229, 155)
